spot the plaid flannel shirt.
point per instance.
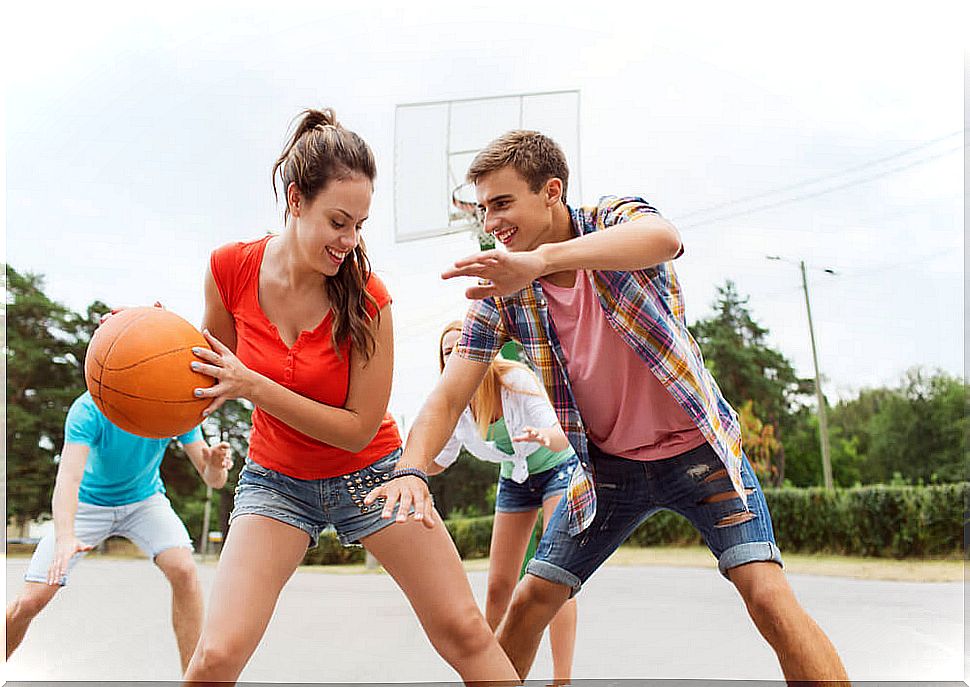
(646, 309)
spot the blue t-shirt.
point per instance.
(122, 467)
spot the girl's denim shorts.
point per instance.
(513, 497)
(316, 504)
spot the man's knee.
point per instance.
(33, 599)
(537, 596)
(766, 592)
(178, 567)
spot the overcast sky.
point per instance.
(137, 142)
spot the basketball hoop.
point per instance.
(465, 209)
(436, 142)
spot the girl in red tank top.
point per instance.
(301, 328)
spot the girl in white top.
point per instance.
(511, 421)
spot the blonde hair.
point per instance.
(487, 401)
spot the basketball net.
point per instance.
(465, 208)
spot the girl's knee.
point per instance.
(462, 632)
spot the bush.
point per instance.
(331, 552)
(886, 521)
(472, 536)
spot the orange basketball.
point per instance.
(137, 370)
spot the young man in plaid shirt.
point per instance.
(592, 296)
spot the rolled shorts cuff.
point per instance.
(516, 509)
(353, 538)
(43, 580)
(183, 545)
(750, 552)
(282, 517)
(555, 574)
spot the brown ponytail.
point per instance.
(319, 151)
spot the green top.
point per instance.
(540, 460)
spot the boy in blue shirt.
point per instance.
(108, 484)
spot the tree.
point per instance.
(44, 354)
(760, 445)
(746, 368)
(920, 430)
(231, 422)
(804, 465)
(467, 487)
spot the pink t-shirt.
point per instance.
(626, 410)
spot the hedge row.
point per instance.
(884, 521)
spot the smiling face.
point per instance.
(327, 228)
(518, 217)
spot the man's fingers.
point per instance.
(473, 270)
(477, 293)
(490, 256)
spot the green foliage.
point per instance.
(467, 488)
(329, 551)
(871, 521)
(867, 521)
(803, 465)
(472, 536)
(666, 527)
(915, 433)
(44, 354)
(184, 486)
(232, 423)
(746, 369)
(920, 430)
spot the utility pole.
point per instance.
(206, 512)
(823, 425)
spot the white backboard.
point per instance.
(434, 144)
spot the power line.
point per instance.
(824, 177)
(824, 191)
(772, 295)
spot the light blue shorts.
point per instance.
(151, 524)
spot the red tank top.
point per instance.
(311, 368)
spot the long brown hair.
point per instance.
(319, 151)
(487, 399)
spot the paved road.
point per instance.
(112, 623)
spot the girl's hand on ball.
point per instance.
(233, 379)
